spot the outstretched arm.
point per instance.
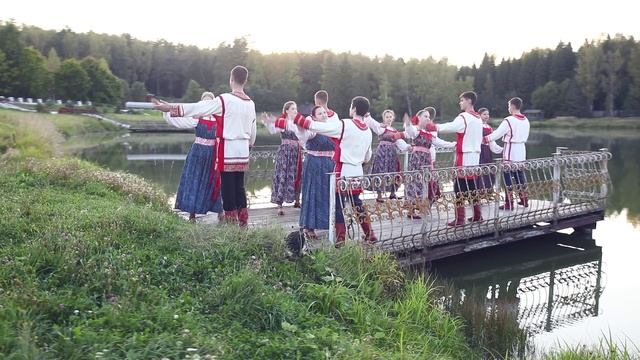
(436, 141)
(457, 125)
(197, 110)
(495, 148)
(374, 125)
(402, 145)
(332, 129)
(501, 131)
(180, 122)
(269, 122)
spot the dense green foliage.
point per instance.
(601, 75)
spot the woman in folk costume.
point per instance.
(420, 159)
(288, 167)
(318, 163)
(385, 159)
(486, 156)
(196, 190)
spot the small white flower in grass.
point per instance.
(175, 317)
(192, 349)
(76, 312)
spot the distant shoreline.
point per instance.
(582, 123)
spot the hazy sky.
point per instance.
(452, 29)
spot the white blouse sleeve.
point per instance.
(495, 148)
(180, 122)
(411, 131)
(402, 145)
(374, 125)
(197, 110)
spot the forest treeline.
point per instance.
(602, 75)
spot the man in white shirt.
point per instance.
(236, 131)
(468, 128)
(514, 131)
(353, 148)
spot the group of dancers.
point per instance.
(322, 143)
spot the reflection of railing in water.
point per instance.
(564, 186)
(541, 285)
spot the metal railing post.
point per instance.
(604, 188)
(556, 183)
(496, 188)
(332, 208)
(405, 161)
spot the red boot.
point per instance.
(459, 217)
(477, 213)
(508, 201)
(341, 231)
(231, 217)
(369, 236)
(243, 217)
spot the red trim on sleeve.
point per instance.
(281, 123)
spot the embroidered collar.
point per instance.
(240, 94)
(473, 113)
(360, 124)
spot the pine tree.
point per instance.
(589, 64)
(53, 60)
(193, 93)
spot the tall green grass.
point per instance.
(91, 270)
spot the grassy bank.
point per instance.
(607, 123)
(41, 135)
(138, 115)
(97, 266)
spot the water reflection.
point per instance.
(509, 294)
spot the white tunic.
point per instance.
(468, 128)
(354, 143)
(236, 126)
(514, 131)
